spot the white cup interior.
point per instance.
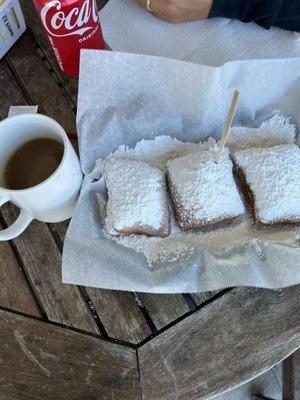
(16, 131)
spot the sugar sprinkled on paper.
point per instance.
(276, 130)
(159, 150)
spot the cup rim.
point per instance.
(65, 143)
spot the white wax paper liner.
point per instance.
(124, 98)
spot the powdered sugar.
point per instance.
(205, 192)
(273, 175)
(276, 130)
(180, 246)
(158, 151)
(136, 198)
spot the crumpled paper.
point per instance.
(124, 98)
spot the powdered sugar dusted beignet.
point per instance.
(204, 193)
(270, 177)
(137, 199)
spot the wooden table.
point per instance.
(68, 342)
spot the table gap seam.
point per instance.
(189, 302)
(182, 317)
(139, 373)
(82, 291)
(146, 315)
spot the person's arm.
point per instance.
(282, 13)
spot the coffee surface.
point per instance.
(32, 163)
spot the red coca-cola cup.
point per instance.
(70, 25)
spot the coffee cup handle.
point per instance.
(18, 226)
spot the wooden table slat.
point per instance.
(164, 308)
(40, 86)
(42, 262)
(120, 315)
(15, 292)
(200, 298)
(224, 344)
(11, 94)
(42, 361)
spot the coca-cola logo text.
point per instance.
(60, 24)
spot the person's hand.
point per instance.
(179, 10)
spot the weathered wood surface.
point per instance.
(38, 84)
(200, 298)
(42, 262)
(118, 312)
(291, 377)
(136, 328)
(232, 340)
(15, 292)
(10, 92)
(42, 361)
(164, 309)
(60, 229)
(120, 315)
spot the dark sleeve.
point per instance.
(282, 13)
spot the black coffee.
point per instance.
(32, 163)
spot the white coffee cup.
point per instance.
(54, 199)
